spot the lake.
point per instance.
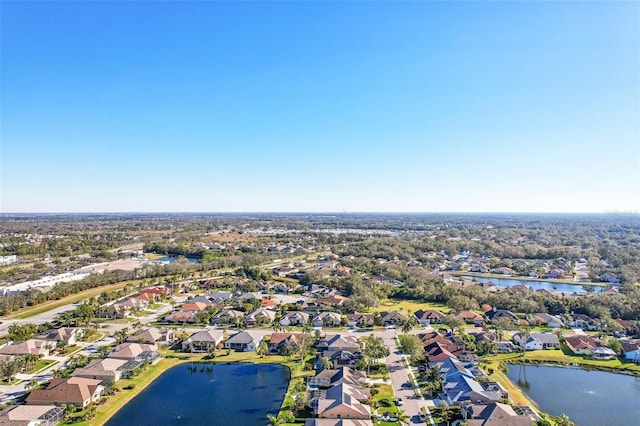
(536, 285)
(171, 259)
(208, 394)
(589, 398)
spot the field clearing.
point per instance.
(409, 306)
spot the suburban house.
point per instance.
(31, 346)
(495, 314)
(582, 344)
(344, 401)
(181, 316)
(451, 368)
(537, 341)
(360, 320)
(293, 318)
(631, 349)
(327, 319)
(429, 316)
(107, 370)
(261, 316)
(220, 296)
(31, 415)
(471, 317)
(243, 341)
(396, 318)
(67, 335)
(463, 390)
(78, 391)
(338, 343)
(203, 340)
(279, 340)
(546, 319)
(582, 321)
(227, 316)
(337, 422)
(341, 359)
(332, 377)
(603, 352)
(152, 336)
(195, 307)
(141, 352)
(497, 413)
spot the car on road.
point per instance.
(399, 401)
(422, 416)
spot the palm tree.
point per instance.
(274, 420)
(407, 327)
(31, 384)
(262, 349)
(325, 363)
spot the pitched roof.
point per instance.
(244, 337)
(131, 350)
(101, 367)
(74, 389)
(211, 335)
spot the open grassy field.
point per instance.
(409, 306)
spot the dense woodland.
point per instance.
(407, 248)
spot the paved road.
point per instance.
(402, 385)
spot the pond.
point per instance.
(208, 394)
(171, 259)
(589, 398)
(537, 285)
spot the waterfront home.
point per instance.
(537, 341)
(450, 369)
(141, 352)
(360, 320)
(243, 341)
(293, 318)
(78, 391)
(261, 316)
(344, 401)
(332, 377)
(31, 346)
(107, 370)
(464, 390)
(31, 415)
(337, 422)
(66, 335)
(631, 349)
(498, 414)
(227, 316)
(341, 359)
(327, 319)
(203, 340)
(582, 344)
(279, 341)
(153, 336)
(429, 316)
(603, 352)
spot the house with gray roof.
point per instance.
(243, 341)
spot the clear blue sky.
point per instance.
(320, 106)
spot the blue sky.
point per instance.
(320, 106)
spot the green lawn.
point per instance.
(41, 365)
(409, 306)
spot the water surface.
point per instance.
(589, 398)
(208, 394)
(536, 285)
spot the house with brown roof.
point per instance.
(195, 307)
(344, 401)
(107, 370)
(327, 319)
(294, 318)
(360, 320)
(429, 316)
(470, 317)
(279, 340)
(141, 352)
(78, 391)
(31, 415)
(261, 316)
(31, 346)
(153, 336)
(396, 318)
(582, 344)
(181, 316)
(68, 335)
